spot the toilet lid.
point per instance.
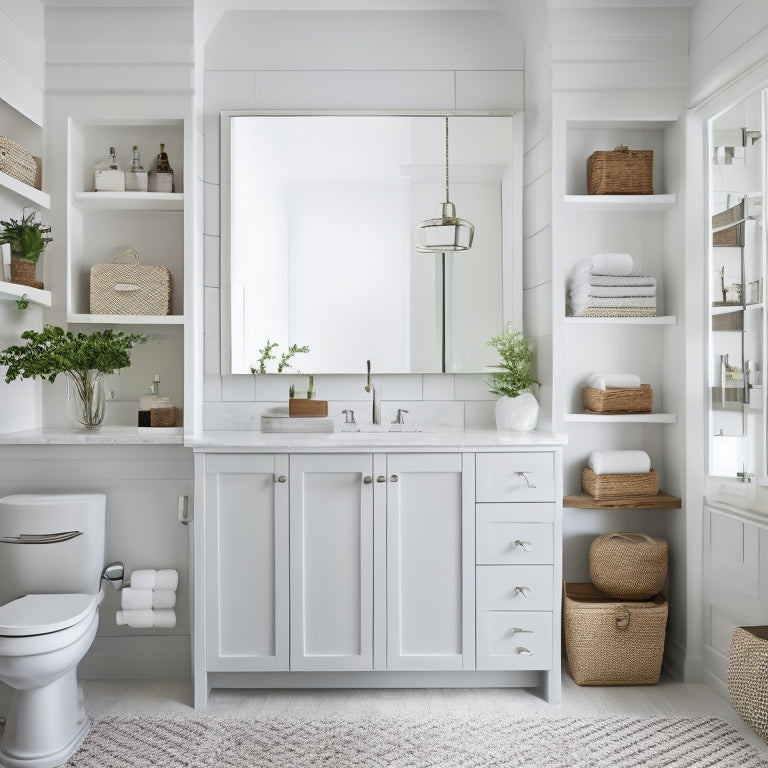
(40, 614)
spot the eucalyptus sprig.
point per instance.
(52, 351)
(515, 376)
(285, 358)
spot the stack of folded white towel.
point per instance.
(150, 600)
(606, 286)
(631, 462)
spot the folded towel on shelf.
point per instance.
(619, 312)
(146, 618)
(612, 264)
(623, 280)
(621, 291)
(580, 304)
(148, 578)
(132, 598)
(614, 381)
(621, 462)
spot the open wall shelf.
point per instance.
(661, 500)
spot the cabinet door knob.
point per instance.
(367, 479)
(280, 479)
(524, 591)
(381, 479)
(521, 650)
(393, 478)
(526, 545)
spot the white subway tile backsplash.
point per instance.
(425, 414)
(343, 387)
(212, 388)
(273, 386)
(437, 386)
(472, 386)
(238, 388)
(480, 414)
(401, 387)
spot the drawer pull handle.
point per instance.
(519, 630)
(280, 478)
(381, 479)
(524, 591)
(521, 650)
(525, 545)
(393, 478)
(525, 477)
(367, 479)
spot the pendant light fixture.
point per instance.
(447, 233)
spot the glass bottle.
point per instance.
(163, 166)
(136, 162)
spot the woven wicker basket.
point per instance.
(620, 172)
(610, 641)
(748, 677)
(17, 162)
(130, 289)
(637, 400)
(619, 486)
(24, 272)
(632, 566)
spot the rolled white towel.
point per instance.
(167, 578)
(146, 618)
(163, 598)
(612, 264)
(135, 599)
(143, 578)
(632, 462)
(614, 381)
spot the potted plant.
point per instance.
(517, 408)
(28, 239)
(83, 358)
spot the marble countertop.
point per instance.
(107, 435)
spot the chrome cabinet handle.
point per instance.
(280, 478)
(381, 479)
(393, 478)
(519, 630)
(40, 538)
(521, 650)
(525, 545)
(367, 479)
(524, 591)
(525, 477)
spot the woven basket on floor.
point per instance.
(610, 641)
(629, 565)
(17, 162)
(748, 677)
(636, 400)
(618, 486)
(620, 172)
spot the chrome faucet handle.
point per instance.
(368, 376)
(349, 416)
(399, 417)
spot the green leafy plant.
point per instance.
(516, 356)
(22, 302)
(27, 238)
(52, 351)
(285, 358)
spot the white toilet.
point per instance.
(51, 562)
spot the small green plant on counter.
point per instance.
(285, 358)
(52, 351)
(515, 376)
(311, 387)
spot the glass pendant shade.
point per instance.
(447, 233)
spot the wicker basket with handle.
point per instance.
(618, 486)
(130, 289)
(632, 566)
(748, 677)
(610, 641)
(622, 171)
(636, 400)
(17, 162)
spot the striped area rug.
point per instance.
(409, 742)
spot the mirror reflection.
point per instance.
(318, 222)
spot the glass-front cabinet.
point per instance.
(737, 269)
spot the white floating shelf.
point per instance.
(87, 319)
(658, 320)
(28, 194)
(614, 418)
(13, 291)
(130, 201)
(628, 203)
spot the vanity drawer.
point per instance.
(514, 587)
(515, 477)
(509, 543)
(514, 640)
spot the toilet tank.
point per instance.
(70, 565)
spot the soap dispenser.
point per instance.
(147, 401)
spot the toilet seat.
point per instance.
(42, 614)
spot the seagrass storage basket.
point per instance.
(618, 486)
(621, 171)
(130, 289)
(610, 641)
(748, 677)
(17, 162)
(632, 566)
(636, 400)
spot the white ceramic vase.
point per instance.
(517, 414)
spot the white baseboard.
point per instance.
(138, 657)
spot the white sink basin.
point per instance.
(369, 428)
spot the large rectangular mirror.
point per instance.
(318, 219)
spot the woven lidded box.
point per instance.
(618, 486)
(634, 400)
(748, 677)
(631, 566)
(17, 162)
(609, 641)
(621, 171)
(130, 289)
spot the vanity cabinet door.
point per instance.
(429, 573)
(246, 562)
(331, 562)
